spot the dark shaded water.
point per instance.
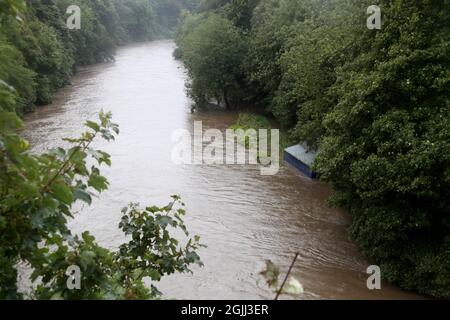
(243, 217)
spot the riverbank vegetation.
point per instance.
(39, 53)
(375, 103)
(38, 192)
(250, 121)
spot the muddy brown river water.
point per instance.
(244, 218)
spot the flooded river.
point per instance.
(244, 218)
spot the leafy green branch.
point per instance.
(38, 192)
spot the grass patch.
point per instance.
(248, 121)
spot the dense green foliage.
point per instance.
(215, 75)
(39, 53)
(375, 103)
(38, 192)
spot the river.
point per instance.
(243, 217)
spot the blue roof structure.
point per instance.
(302, 159)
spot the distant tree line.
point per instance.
(375, 103)
(38, 52)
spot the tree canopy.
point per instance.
(48, 53)
(374, 103)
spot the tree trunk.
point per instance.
(225, 98)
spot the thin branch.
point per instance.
(287, 276)
(81, 147)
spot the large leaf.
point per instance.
(82, 195)
(62, 192)
(98, 182)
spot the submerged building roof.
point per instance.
(302, 154)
